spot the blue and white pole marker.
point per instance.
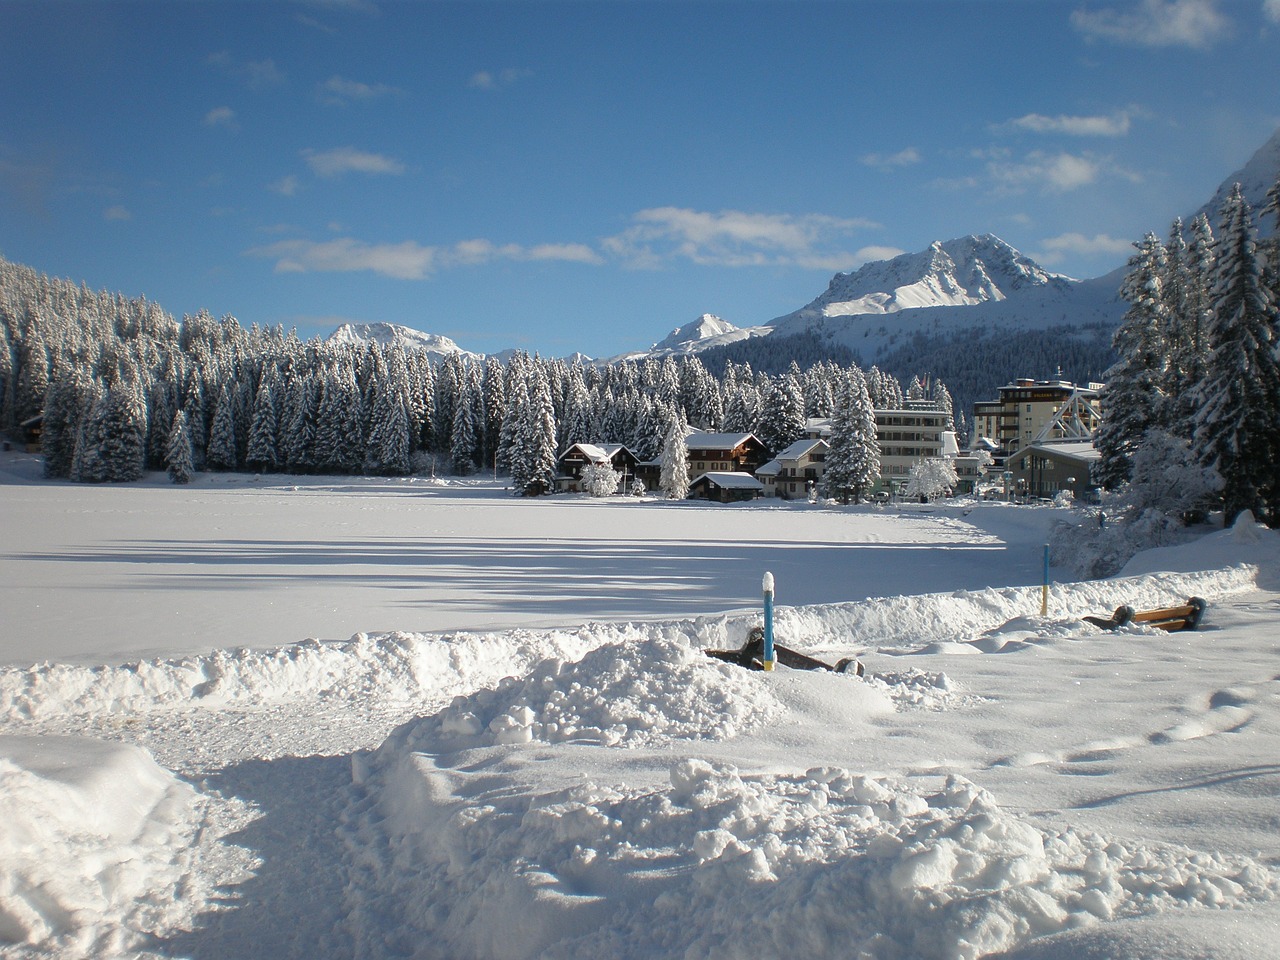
(768, 659)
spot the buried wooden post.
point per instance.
(767, 658)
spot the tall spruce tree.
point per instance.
(1238, 427)
(673, 477)
(853, 460)
(178, 450)
(1136, 399)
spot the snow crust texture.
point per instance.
(99, 844)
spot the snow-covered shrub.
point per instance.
(932, 478)
(1166, 487)
(1096, 545)
(1166, 477)
(600, 479)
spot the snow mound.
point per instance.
(637, 693)
(96, 847)
(716, 863)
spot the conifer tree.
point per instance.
(69, 401)
(674, 475)
(221, 452)
(1238, 427)
(464, 442)
(782, 415)
(853, 460)
(262, 453)
(1136, 400)
(178, 450)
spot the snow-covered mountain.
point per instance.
(978, 284)
(1255, 178)
(387, 334)
(702, 334)
(953, 273)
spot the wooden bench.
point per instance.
(751, 656)
(1184, 617)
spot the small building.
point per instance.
(574, 461)
(726, 486)
(790, 473)
(1046, 467)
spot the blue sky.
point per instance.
(588, 176)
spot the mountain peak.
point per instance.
(1255, 178)
(706, 326)
(961, 272)
(388, 334)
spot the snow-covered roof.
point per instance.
(716, 441)
(770, 469)
(1083, 450)
(731, 480)
(597, 452)
(798, 449)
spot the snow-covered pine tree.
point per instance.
(511, 454)
(782, 414)
(111, 447)
(178, 450)
(69, 400)
(299, 421)
(261, 453)
(387, 449)
(539, 436)
(1136, 400)
(464, 440)
(221, 452)
(673, 477)
(495, 409)
(1238, 427)
(853, 460)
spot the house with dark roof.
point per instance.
(726, 486)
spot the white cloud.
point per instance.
(339, 91)
(340, 160)
(488, 80)
(1056, 249)
(1055, 172)
(891, 161)
(408, 260)
(252, 73)
(285, 186)
(1116, 125)
(117, 212)
(732, 238)
(221, 117)
(1272, 10)
(1157, 23)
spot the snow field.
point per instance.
(1001, 781)
(704, 860)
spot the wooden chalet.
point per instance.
(725, 486)
(574, 461)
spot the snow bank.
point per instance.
(715, 863)
(630, 694)
(406, 667)
(96, 847)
